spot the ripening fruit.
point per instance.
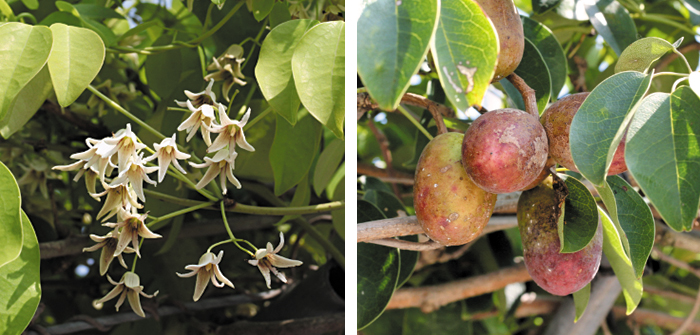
(509, 29)
(504, 150)
(557, 123)
(557, 273)
(450, 208)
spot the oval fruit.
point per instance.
(557, 123)
(504, 150)
(450, 208)
(509, 28)
(557, 273)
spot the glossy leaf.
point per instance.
(76, 58)
(19, 284)
(465, 50)
(377, 271)
(581, 298)
(666, 167)
(550, 50)
(395, 40)
(27, 103)
(580, 216)
(327, 164)
(318, 67)
(612, 21)
(274, 68)
(385, 201)
(541, 6)
(11, 227)
(532, 69)
(622, 266)
(600, 123)
(632, 217)
(641, 54)
(24, 52)
(293, 150)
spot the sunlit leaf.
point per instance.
(612, 21)
(641, 54)
(581, 298)
(27, 102)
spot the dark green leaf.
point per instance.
(163, 69)
(386, 202)
(261, 8)
(613, 22)
(532, 69)
(302, 197)
(293, 150)
(541, 6)
(663, 154)
(377, 271)
(549, 49)
(580, 216)
(274, 68)
(395, 40)
(256, 165)
(601, 121)
(409, 259)
(622, 266)
(279, 14)
(372, 183)
(581, 300)
(327, 164)
(97, 11)
(465, 50)
(641, 54)
(338, 216)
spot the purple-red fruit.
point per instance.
(504, 150)
(509, 28)
(450, 208)
(557, 123)
(557, 273)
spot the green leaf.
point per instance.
(318, 67)
(293, 150)
(581, 298)
(333, 190)
(377, 271)
(163, 69)
(612, 21)
(97, 12)
(61, 17)
(541, 6)
(327, 164)
(27, 103)
(622, 266)
(632, 217)
(386, 202)
(550, 50)
(31, 4)
(600, 122)
(409, 259)
(302, 197)
(256, 165)
(261, 8)
(76, 58)
(395, 40)
(532, 69)
(465, 50)
(338, 216)
(11, 227)
(24, 53)
(572, 10)
(693, 7)
(279, 14)
(172, 235)
(140, 28)
(372, 183)
(580, 216)
(641, 54)
(663, 154)
(274, 68)
(19, 284)
(6, 10)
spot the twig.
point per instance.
(382, 174)
(604, 327)
(440, 256)
(691, 316)
(668, 294)
(655, 318)
(365, 103)
(528, 94)
(93, 130)
(407, 245)
(667, 237)
(675, 262)
(430, 298)
(666, 61)
(386, 153)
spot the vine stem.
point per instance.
(655, 18)
(528, 94)
(690, 69)
(175, 173)
(415, 122)
(259, 117)
(159, 219)
(230, 233)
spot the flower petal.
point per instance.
(186, 275)
(266, 273)
(202, 281)
(221, 277)
(283, 262)
(113, 293)
(135, 302)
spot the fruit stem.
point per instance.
(528, 94)
(415, 122)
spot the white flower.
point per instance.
(124, 143)
(136, 173)
(267, 260)
(128, 287)
(230, 133)
(119, 197)
(221, 162)
(201, 118)
(206, 97)
(207, 269)
(228, 69)
(167, 153)
(108, 243)
(89, 160)
(131, 228)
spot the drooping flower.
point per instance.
(268, 260)
(167, 153)
(206, 97)
(201, 118)
(230, 133)
(108, 243)
(136, 173)
(228, 69)
(221, 164)
(132, 226)
(207, 269)
(124, 143)
(119, 197)
(89, 159)
(128, 288)
(35, 176)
